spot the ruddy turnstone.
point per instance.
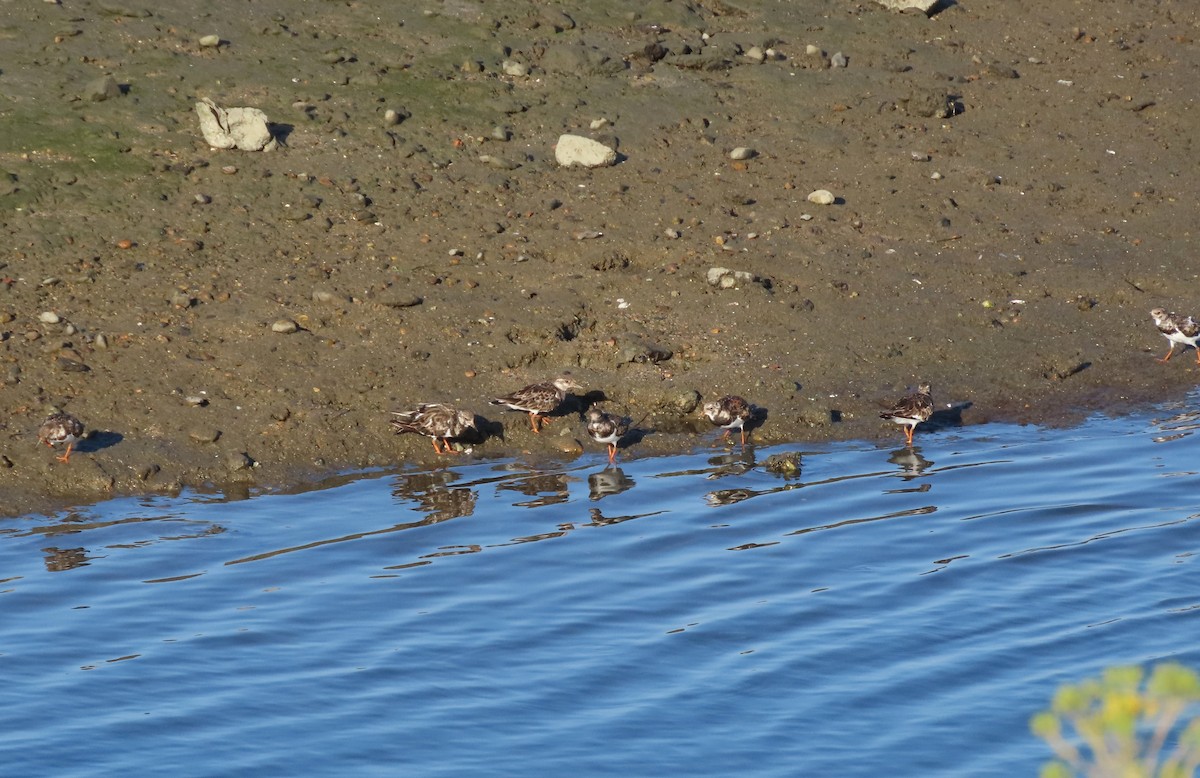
(59, 428)
(437, 421)
(539, 399)
(607, 429)
(1182, 331)
(729, 413)
(911, 411)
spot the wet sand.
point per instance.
(1015, 189)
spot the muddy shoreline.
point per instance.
(1014, 188)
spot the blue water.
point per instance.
(886, 612)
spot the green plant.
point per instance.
(1123, 726)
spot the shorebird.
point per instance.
(729, 413)
(605, 428)
(1179, 331)
(539, 399)
(911, 411)
(59, 428)
(436, 421)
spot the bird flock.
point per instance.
(444, 423)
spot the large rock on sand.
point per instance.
(234, 128)
(578, 150)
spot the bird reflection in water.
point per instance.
(600, 520)
(733, 463)
(910, 462)
(434, 496)
(609, 481)
(59, 559)
(546, 489)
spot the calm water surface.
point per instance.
(885, 612)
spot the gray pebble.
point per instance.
(204, 434)
(238, 460)
(686, 402)
(196, 401)
(327, 296)
(203, 199)
(839, 60)
(101, 341)
(741, 152)
(500, 133)
(102, 89)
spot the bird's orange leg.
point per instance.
(743, 436)
(435, 446)
(533, 421)
(1167, 358)
(66, 457)
(612, 453)
(908, 433)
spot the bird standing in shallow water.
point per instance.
(59, 428)
(911, 411)
(1182, 331)
(436, 421)
(605, 428)
(539, 399)
(729, 413)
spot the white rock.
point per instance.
(210, 41)
(284, 326)
(755, 53)
(813, 51)
(49, 317)
(725, 278)
(903, 5)
(513, 68)
(821, 197)
(234, 128)
(578, 150)
(741, 152)
(598, 123)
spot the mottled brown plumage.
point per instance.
(436, 421)
(603, 427)
(60, 428)
(1183, 331)
(729, 413)
(911, 411)
(539, 399)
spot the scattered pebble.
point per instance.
(285, 326)
(229, 170)
(210, 41)
(101, 341)
(196, 401)
(755, 53)
(741, 152)
(839, 60)
(49, 317)
(598, 123)
(821, 197)
(124, 243)
(203, 199)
